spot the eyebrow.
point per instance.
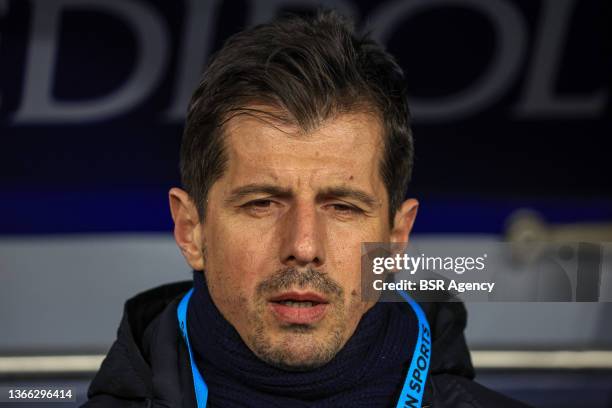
(250, 189)
(273, 190)
(349, 192)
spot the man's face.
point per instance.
(283, 230)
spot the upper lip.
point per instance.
(299, 297)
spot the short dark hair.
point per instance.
(311, 68)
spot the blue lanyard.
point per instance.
(414, 384)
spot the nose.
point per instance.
(303, 238)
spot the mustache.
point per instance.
(287, 278)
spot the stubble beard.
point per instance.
(299, 347)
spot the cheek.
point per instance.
(235, 260)
(345, 249)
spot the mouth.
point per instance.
(298, 308)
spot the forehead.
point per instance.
(345, 148)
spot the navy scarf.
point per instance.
(368, 371)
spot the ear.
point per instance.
(403, 221)
(187, 227)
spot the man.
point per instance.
(297, 149)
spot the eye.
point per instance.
(258, 208)
(345, 208)
(259, 204)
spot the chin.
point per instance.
(290, 360)
(298, 348)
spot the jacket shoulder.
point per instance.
(461, 392)
(125, 378)
(107, 401)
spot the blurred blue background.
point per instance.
(511, 107)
